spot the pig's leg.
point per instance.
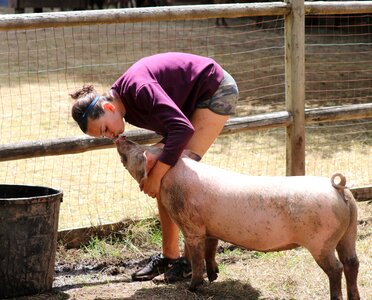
(210, 258)
(347, 254)
(196, 248)
(333, 268)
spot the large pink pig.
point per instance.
(255, 212)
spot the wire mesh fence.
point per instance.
(338, 72)
(39, 67)
(338, 60)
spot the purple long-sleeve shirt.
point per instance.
(160, 93)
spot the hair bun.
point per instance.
(82, 92)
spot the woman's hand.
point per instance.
(150, 185)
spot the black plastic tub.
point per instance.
(28, 238)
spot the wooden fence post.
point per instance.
(295, 87)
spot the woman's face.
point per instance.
(111, 124)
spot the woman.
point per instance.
(183, 97)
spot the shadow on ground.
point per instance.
(228, 289)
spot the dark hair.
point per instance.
(83, 97)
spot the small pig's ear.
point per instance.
(151, 160)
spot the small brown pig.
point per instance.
(255, 212)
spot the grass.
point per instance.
(137, 237)
(97, 189)
(243, 274)
(98, 248)
(40, 67)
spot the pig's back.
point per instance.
(249, 210)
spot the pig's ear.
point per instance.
(151, 160)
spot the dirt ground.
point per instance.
(243, 274)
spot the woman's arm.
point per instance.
(167, 118)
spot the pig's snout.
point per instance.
(122, 144)
(119, 139)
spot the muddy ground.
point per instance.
(80, 274)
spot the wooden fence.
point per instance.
(293, 119)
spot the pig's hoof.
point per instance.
(212, 276)
(195, 283)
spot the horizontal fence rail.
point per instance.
(26, 29)
(183, 12)
(263, 121)
(135, 15)
(337, 7)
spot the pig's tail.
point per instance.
(342, 184)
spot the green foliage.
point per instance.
(266, 255)
(135, 236)
(156, 237)
(98, 248)
(144, 233)
(233, 252)
(222, 268)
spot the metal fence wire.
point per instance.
(40, 66)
